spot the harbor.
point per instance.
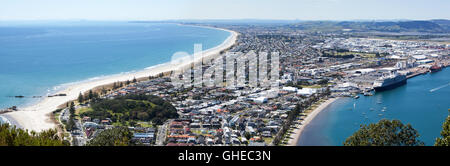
(367, 80)
(422, 102)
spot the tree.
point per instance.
(120, 136)
(385, 133)
(133, 123)
(133, 107)
(70, 125)
(142, 116)
(72, 109)
(80, 98)
(323, 82)
(12, 136)
(115, 85)
(445, 134)
(90, 95)
(104, 91)
(247, 135)
(328, 91)
(134, 80)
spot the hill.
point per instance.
(132, 108)
(432, 26)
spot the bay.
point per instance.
(39, 58)
(423, 102)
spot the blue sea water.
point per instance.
(423, 102)
(37, 58)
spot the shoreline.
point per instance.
(36, 116)
(294, 138)
(9, 120)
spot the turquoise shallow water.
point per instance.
(423, 102)
(36, 58)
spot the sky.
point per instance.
(224, 9)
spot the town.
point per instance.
(313, 68)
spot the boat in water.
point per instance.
(389, 81)
(435, 68)
(368, 94)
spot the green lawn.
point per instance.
(145, 124)
(361, 54)
(57, 116)
(83, 110)
(268, 140)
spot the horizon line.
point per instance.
(225, 19)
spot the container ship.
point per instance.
(389, 82)
(435, 68)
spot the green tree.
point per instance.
(104, 91)
(72, 109)
(12, 136)
(445, 134)
(71, 123)
(115, 85)
(119, 136)
(90, 95)
(80, 98)
(323, 82)
(385, 133)
(247, 135)
(133, 107)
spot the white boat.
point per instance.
(390, 81)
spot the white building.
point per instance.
(419, 57)
(306, 91)
(260, 100)
(290, 89)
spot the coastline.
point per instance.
(36, 117)
(7, 119)
(294, 138)
(393, 109)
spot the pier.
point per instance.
(416, 73)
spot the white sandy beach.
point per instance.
(298, 131)
(36, 117)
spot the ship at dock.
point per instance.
(435, 68)
(390, 81)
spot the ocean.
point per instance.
(40, 58)
(423, 102)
